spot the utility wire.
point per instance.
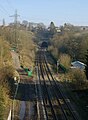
(4, 10)
(10, 5)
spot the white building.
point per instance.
(78, 64)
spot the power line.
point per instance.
(9, 3)
(4, 10)
(3, 20)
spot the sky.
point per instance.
(59, 11)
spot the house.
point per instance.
(78, 64)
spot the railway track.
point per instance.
(55, 105)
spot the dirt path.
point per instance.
(16, 61)
(24, 95)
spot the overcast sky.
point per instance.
(58, 11)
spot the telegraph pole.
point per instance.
(15, 26)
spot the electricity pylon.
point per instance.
(15, 27)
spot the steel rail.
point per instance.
(41, 97)
(48, 96)
(58, 88)
(56, 94)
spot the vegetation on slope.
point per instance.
(26, 48)
(22, 42)
(6, 82)
(71, 43)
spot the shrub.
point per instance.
(77, 77)
(65, 60)
(6, 78)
